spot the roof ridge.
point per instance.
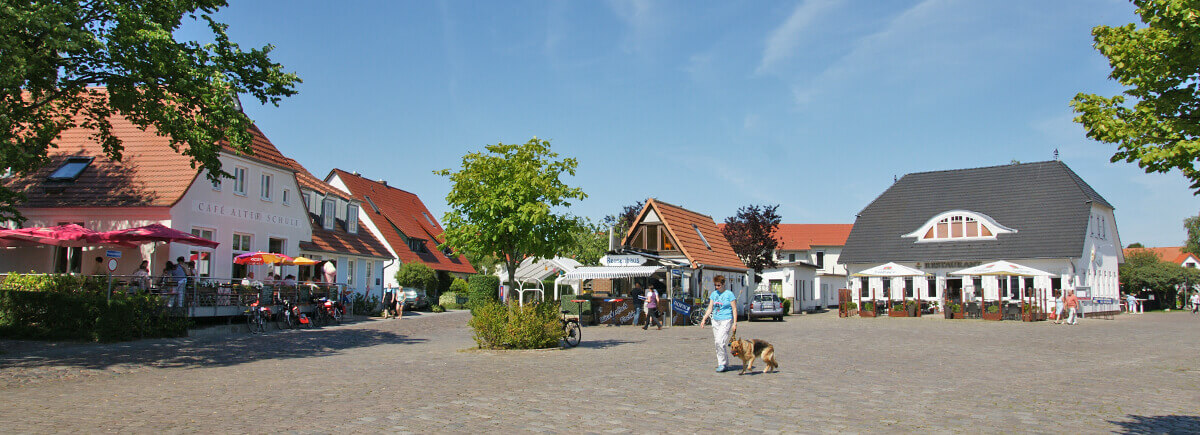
(983, 167)
(354, 174)
(682, 208)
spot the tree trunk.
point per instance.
(512, 281)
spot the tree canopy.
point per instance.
(1156, 122)
(419, 275)
(1144, 271)
(503, 201)
(1192, 244)
(751, 234)
(589, 242)
(54, 55)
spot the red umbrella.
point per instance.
(151, 233)
(69, 235)
(261, 258)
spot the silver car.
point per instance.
(766, 305)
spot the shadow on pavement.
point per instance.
(207, 352)
(1161, 424)
(602, 344)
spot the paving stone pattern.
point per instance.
(1136, 374)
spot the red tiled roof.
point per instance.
(403, 212)
(337, 240)
(679, 223)
(805, 236)
(1172, 254)
(308, 181)
(150, 173)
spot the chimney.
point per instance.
(383, 182)
(356, 174)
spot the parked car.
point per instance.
(415, 299)
(766, 305)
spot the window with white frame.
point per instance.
(266, 187)
(307, 200)
(328, 213)
(241, 245)
(239, 181)
(959, 225)
(202, 256)
(352, 218)
(285, 197)
(350, 273)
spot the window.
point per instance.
(863, 290)
(217, 184)
(702, 239)
(373, 206)
(428, 219)
(266, 187)
(652, 237)
(957, 225)
(791, 258)
(307, 200)
(931, 285)
(908, 288)
(416, 245)
(239, 181)
(820, 260)
(887, 287)
(350, 273)
(776, 286)
(285, 197)
(667, 245)
(202, 257)
(277, 246)
(328, 210)
(70, 169)
(241, 245)
(352, 218)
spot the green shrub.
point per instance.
(483, 289)
(419, 275)
(448, 298)
(787, 307)
(60, 314)
(459, 286)
(437, 308)
(363, 305)
(534, 326)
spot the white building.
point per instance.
(819, 245)
(796, 281)
(1040, 215)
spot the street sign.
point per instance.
(112, 264)
(112, 254)
(622, 260)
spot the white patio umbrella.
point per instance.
(889, 270)
(1002, 268)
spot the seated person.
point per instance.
(249, 280)
(289, 281)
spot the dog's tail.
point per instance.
(769, 358)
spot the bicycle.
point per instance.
(256, 317)
(288, 317)
(572, 333)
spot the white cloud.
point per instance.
(782, 42)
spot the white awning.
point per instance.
(611, 272)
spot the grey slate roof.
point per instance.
(1046, 202)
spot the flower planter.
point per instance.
(959, 315)
(866, 314)
(992, 316)
(898, 313)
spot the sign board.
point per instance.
(622, 260)
(112, 254)
(1104, 300)
(112, 264)
(677, 272)
(681, 307)
(503, 294)
(1083, 292)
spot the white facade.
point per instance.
(830, 275)
(795, 281)
(387, 269)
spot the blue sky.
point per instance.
(814, 105)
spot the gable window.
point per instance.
(791, 258)
(352, 218)
(820, 260)
(239, 181)
(307, 199)
(70, 169)
(956, 225)
(328, 211)
(266, 187)
(667, 244)
(285, 198)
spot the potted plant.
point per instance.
(933, 307)
(848, 309)
(911, 306)
(992, 313)
(898, 309)
(1031, 313)
(956, 311)
(868, 310)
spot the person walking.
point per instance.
(1059, 307)
(1072, 302)
(651, 308)
(722, 308)
(1195, 302)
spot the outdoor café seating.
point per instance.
(972, 310)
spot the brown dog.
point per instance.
(749, 350)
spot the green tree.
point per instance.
(1159, 124)
(1135, 245)
(1144, 271)
(589, 242)
(1192, 244)
(419, 275)
(54, 54)
(503, 202)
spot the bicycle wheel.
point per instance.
(250, 322)
(696, 315)
(573, 334)
(336, 317)
(283, 320)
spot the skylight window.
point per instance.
(702, 239)
(373, 206)
(428, 219)
(70, 170)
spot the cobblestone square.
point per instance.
(1132, 374)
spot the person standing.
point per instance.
(1072, 302)
(722, 308)
(651, 308)
(1195, 302)
(141, 277)
(180, 274)
(1059, 308)
(1131, 303)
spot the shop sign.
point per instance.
(681, 307)
(622, 260)
(112, 254)
(245, 214)
(948, 264)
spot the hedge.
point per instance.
(533, 326)
(65, 307)
(482, 289)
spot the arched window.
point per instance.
(959, 225)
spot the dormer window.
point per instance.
(351, 218)
(416, 245)
(328, 213)
(70, 170)
(959, 225)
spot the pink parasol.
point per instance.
(151, 233)
(261, 258)
(68, 235)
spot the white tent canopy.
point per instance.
(602, 272)
(890, 270)
(1001, 268)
